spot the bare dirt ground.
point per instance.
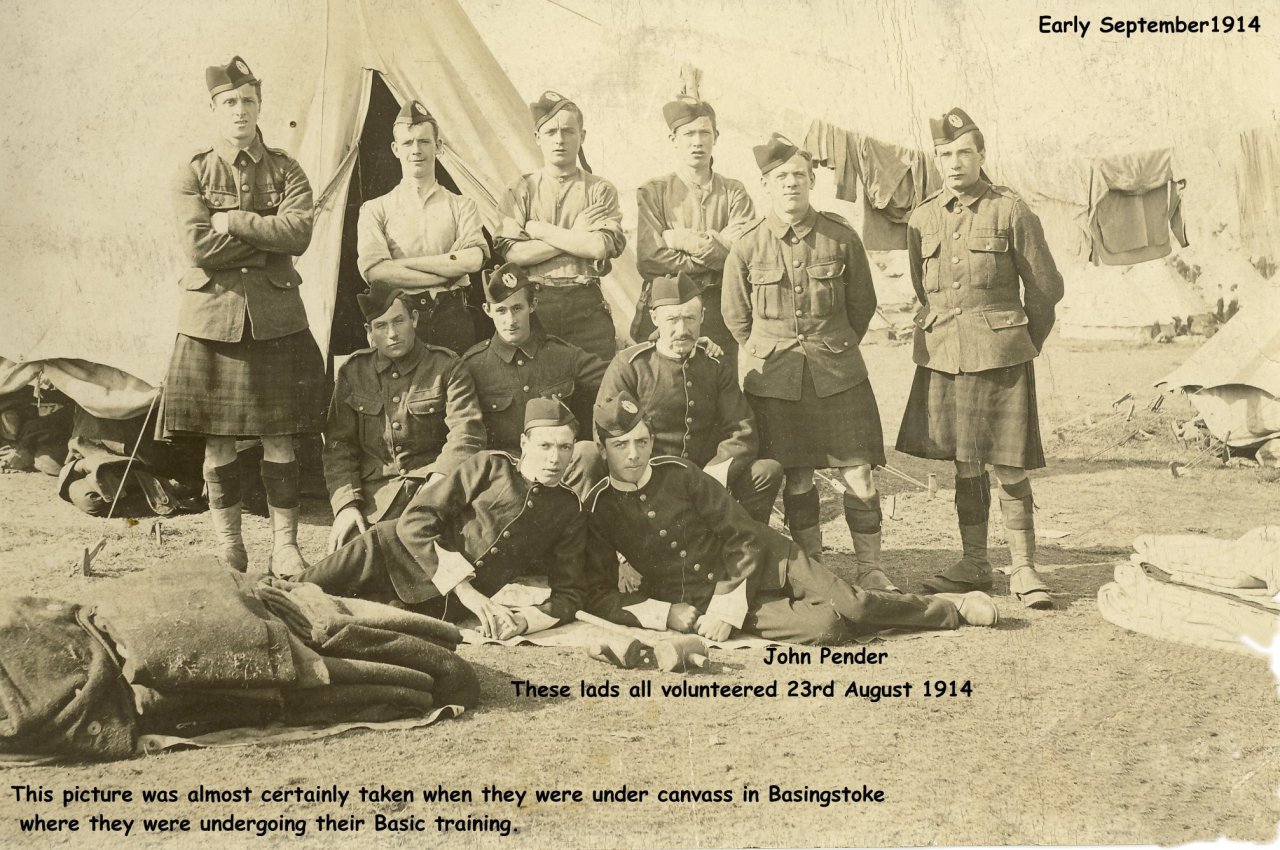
(1076, 732)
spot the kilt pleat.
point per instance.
(821, 433)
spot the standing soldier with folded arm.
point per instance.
(689, 219)
(987, 285)
(562, 224)
(423, 239)
(798, 297)
(245, 363)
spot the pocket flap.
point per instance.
(760, 349)
(764, 275)
(564, 389)
(929, 244)
(993, 244)
(425, 403)
(834, 268)
(369, 405)
(495, 401)
(925, 318)
(997, 319)
(216, 200)
(284, 278)
(194, 278)
(842, 341)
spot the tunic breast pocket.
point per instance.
(988, 258)
(427, 408)
(766, 285)
(369, 416)
(930, 249)
(826, 284)
(221, 200)
(562, 390)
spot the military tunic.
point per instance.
(393, 423)
(484, 522)
(692, 543)
(570, 303)
(696, 411)
(722, 209)
(244, 363)
(798, 300)
(988, 287)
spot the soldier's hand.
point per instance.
(521, 626)
(535, 229)
(682, 617)
(628, 578)
(710, 347)
(349, 523)
(220, 222)
(496, 621)
(712, 629)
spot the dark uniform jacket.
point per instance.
(268, 202)
(506, 377)
(795, 296)
(391, 422)
(689, 540)
(501, 523)
(968, 254)
(695, 408)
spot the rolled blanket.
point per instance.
(346, 703)
(455, 681)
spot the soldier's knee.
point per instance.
(1007, 475)
(82, 494)
(968, 469)
(767, 474)
(799, 479)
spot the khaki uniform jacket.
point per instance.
(394, 422)
(268, 202)
(798, 295)
(985, 279)
(546, 366)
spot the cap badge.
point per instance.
(551, 97)
(510, 280)
(629, 407)
(241, 67)
(954, 120)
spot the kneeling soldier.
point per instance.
(465, 537)
(707, 566)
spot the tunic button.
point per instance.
(524, 388)
(799, 289)
(799, 312)
(652, 514)
(711, 576)
(800, 337)
(397, 448)
(955, 261)
(244, 188)
(519, 362)
(955, 285)
(506, 534)
(697, 567)
(643, 497)
(404, 471)
(244, 271)
(956, 235)
(675, 544)
(662, 532)
(480, 563)
(529, 503)
(362, 407)
(956, 311)
(395, 374)
(683, 553)
(688, 383)
(688, 420)
(795, 263)
(395, 425)
(396, 399)
(94, 727)
(691, 402)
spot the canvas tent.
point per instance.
(1233, 380)
(113, 101)
(1124, 302)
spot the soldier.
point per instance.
(422, 238)
(798, 297)
(403, 414)
(468, 535)
(244, 363)
(973, 400)
(707, 566)
(521, 362)
(692, 399)
(563, 225)
(689, 219)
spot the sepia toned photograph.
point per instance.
(639, 423)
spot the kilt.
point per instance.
(250, 388)
(974, 417)
(820, 433)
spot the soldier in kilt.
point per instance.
(987, 285)
(245, 363)
(798, 297)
